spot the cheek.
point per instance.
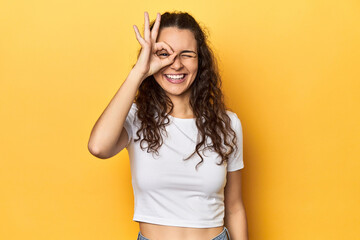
(195, 69)
(157, 76)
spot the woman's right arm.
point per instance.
(108, 136)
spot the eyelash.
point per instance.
(161, 54)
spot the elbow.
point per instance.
(96, 151)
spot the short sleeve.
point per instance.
(129, 122)
(235, 161)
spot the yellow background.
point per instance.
(290, 71)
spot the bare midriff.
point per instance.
(162, 232)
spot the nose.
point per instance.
(177, 64)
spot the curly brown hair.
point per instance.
(206, 98)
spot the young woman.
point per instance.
(185, 148)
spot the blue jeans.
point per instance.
(224, 235)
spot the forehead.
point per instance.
(178, 39)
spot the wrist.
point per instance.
(136, 74)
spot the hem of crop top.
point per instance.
(178, 223)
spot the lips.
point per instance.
(175, 78)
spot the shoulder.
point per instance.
(133, 109)
(235, 120)
(132, 114)
(231, 114)
(134, 106)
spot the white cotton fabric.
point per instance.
(167, 189)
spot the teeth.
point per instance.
(175, 76)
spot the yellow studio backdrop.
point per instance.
(290, 71)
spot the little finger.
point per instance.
(146, 27)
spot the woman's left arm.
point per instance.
(235, 216)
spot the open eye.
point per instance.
(162, 54)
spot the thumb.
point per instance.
(169, 60)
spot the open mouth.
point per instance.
(175, 78)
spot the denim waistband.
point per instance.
(224, 235)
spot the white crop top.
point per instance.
(167, 189)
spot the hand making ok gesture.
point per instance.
(148, 62)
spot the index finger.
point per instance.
(155, 30)
(162, 45)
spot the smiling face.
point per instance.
(177, 77)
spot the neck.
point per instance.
(182, 108)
